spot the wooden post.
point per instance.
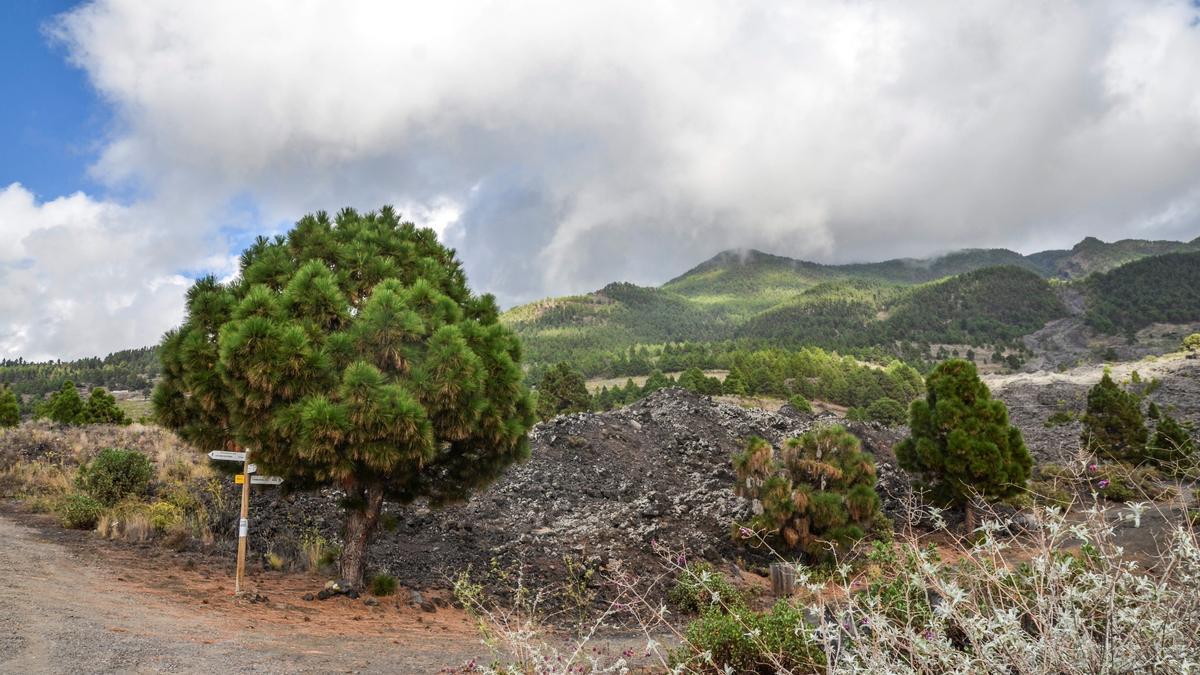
(243, 525)
(783, 580)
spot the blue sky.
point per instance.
(51, 122)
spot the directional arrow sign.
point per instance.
(265, 480)
(227, 456)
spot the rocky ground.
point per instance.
(598, 490)
(1033, 397)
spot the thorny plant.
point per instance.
(1045, 591)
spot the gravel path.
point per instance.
(72, 604)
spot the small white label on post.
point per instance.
(243, 527)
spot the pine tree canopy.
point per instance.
(820, 490)
(562, 391)
(350, 352)
(961, 441)
(64, 406)
(1113, 425)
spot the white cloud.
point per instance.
(561, 145)
(83, 277)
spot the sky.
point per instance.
(560, 146)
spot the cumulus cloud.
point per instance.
(563, 145)
(82, 276)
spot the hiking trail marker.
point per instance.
(246, 478)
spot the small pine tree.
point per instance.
(735, 384)
(820, 490)
(64, 406)
(961, 442)
(887, 411)
(102, 408)
(655, 382)
(1113, 424)
(10, 410)
(800, 404)
(1152, 412)
(562, 391)
(1171, 443)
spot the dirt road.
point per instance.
(70, 603)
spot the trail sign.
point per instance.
(265, 480)
(225, 455)
(251, 468)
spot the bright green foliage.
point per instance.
(102, 408)
(887, 411)
(746, 641)
(114, 474)
(1113, 424)
(735, 384)
(695, 380)
(79, 511)
(562, 391)
(351, 352)
(820, 490)
(699, 587)
(64, 406)
(800, 403)
(1171, 442)
(1191, 343)
(10, 411)
(961, 442)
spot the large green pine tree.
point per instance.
(351, 353)
(961, 442)
(10, 410)
(1113, 425)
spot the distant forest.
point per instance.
(127, 370)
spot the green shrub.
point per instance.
(744, 641)
(79, 511)
(800, 403)
(115, 474)
(165, 516)
(696, 586)
(887, 411)
(383, 584)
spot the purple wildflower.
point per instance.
(1103, 483)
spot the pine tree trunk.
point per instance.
(360, 526)
(970, 516)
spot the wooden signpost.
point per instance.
(246, 478)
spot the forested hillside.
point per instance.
(740, 300)
(127, 370)
(1163, 289)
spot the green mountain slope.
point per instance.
(1092, 256)
(1150, 290)
(987, 306)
